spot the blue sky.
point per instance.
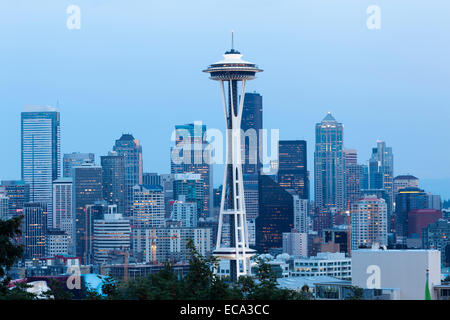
(135, 66)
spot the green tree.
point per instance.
(10, 252)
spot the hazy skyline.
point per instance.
(135, 67)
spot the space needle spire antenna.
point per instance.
(232, 73)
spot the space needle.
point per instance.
(233, 73)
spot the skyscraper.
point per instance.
(18, 193)
(87, 190)
(4, 207)
(41, 153)
(191, 186)
(292, 167)
(276, 214)
(329, 165)
(353, 173)
(63, 218)
(192, 146)
(111, 235)
(113, 179)
(381, 171)
(35, 229)
(369, 222)
(252, 123)
(407, 199)
(75, 159)
(148, 207)
(131, 150)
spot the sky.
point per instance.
(135, 67)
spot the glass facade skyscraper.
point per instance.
(329, 165)
(87, 191)
(113, 179)
(191, 143)
(292, 167)
(41, 153)
(131, 150)
(71, 160)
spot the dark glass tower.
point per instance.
(407, 199)
(292, 167)
(113, 179)
(252, 123)
(87, 191)
(35, 229)
(276, 214)
(131, 150)
(18, 193)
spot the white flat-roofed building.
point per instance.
(324, 264)
(401, 269)
(112, 233)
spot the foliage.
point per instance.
(200, 283)
(356, 293)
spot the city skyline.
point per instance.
(383, 75)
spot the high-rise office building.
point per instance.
(113, 179)
(405, 181)
(35, 229)
(292, 167)
(352, 177)
(193, 156)
(130, 149)
(185, 212)
(369, 222)
(252, 123)
(87, 190)
(41, 153)
(148, 207)
(191, 186)
(75, 159)
(301, 210)
(381, 171)
(329, 165)
(276, 214)
(56, 243)
(18, 193)
(151, 178)
(112, 235)
(295, 244)
(4, 207)
(407, 199)
(63, 218)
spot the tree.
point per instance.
(10, 252)
(356, 293)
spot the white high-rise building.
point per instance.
(56, 243)
(369, 222)
(301, 207)
(295, 244)
(184, 211)
(62, 209)
(4, 207)
(169, 244)
(148, 207)
(41, 153)
(111, 234)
